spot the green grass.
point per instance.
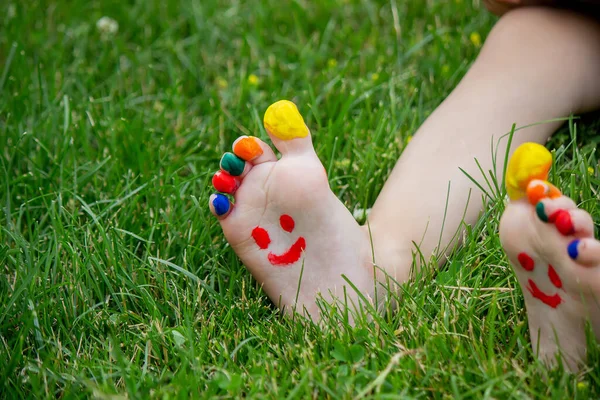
(116, 281)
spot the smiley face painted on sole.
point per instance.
(288, 257)
(552, 300)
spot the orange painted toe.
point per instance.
(247, 148)
(538, 190)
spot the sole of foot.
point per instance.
(284, 222)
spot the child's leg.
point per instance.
(536, 64)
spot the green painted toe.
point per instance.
(232, 164)
(541, 212)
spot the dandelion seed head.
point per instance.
(107, 26)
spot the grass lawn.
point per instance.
(115, 279)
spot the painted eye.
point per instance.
(553, 276)
(526, 262)
(261, 237)
(287, 223)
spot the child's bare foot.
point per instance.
(557, 260)
(288, 228)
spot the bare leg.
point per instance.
(537, 64)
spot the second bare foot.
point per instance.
(556, 258)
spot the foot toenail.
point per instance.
(225, 183)
(541, 212)
(283, 120)
(232, 164)
(247, 148)
(564, 224)
(220, 204)
(530, 161)
(536, 191)
(572, 249)
(554, 216)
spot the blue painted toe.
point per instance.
(221, 204)
(572, 249)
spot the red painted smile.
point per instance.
(291, 255)
(550, 300)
